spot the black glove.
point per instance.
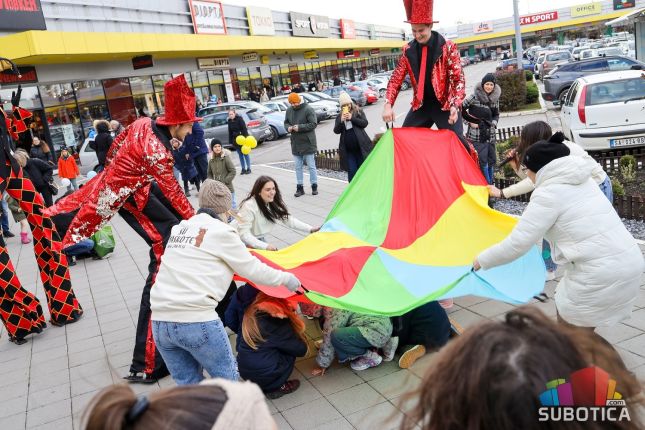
(15, 96)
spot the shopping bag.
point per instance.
(103, 241)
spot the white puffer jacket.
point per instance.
(603, 264)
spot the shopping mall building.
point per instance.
(94, 59)
(487, 38)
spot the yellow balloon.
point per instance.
(250, 142)
(246, 150)
(240, 140)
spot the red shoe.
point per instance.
(287, 388)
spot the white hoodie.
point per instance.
(603, 264)
(197, 268)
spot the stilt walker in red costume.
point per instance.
(20, 310)
(138, 182)
(434, 66)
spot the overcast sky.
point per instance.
(392, 13)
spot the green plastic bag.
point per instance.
(103, 241)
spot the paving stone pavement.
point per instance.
(47, 382)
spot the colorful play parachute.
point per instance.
(406, 231)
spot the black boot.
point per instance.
(300, 191)
(314, 189)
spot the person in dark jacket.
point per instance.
(234, 314)
(41, 151)
(300, 120)
(184, 162)
(237, 127)
(355, 145)
(272, 338)
(39, 172)
(198, 150)
(102, 141)
(480, 116)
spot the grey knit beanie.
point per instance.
(215, 195)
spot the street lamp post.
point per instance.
(518, 34)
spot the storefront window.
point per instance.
(216, 84)
(88, 91)
(64, 126)
(200, 78)
(29, 100)
(91, 103)
(56, 94)
(141, 85)
(120, 103)
(115, 88)
(160, 80)
(145, 104)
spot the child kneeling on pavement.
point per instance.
(353, 337)
(196, 270)
(273, 335)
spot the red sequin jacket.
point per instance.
(136, 158)
(447, 76)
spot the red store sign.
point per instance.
(27, 75)
(538, 18)
(347, 29)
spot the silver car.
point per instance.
(216, 126)
(322, 111)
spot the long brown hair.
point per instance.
(274, 210)
(189, 407)
(271, 306)
(531, 133)
(44, 145)
(490, 378)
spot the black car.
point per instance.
(560, 79)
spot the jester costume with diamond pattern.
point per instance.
(20, 310)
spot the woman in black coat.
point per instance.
(355, 145)
(237, 127)
(39, 172)
(41, 151)
(102, 141)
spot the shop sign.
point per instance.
(21, 15)
(483, 27)
(624, 4)
(260, 21)
(208, 17)
(309, 25)
(538, 18)
(375, 52)
(347, 29)
(142, 62)
(348, 53)
(249, 57)
(395, 50)
(371, 29)
(213, 63)
(310, 55)
(264, 59)
(27, 75)
(586, 9)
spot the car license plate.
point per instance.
(628, 141)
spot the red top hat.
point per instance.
(180, 103)
(418, 11)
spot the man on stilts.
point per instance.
(138, 182)
(20, 310)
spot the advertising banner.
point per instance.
(624, 4)
(309, 25)
(208, 17)
(21, 15)
(483, 27)
(539, 17)
(347, 29)
(586, 9)
(260, 21)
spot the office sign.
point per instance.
(586, 9)
(213, 63)
(483, 27)
(260, 21)
(624, 4)
(208, 17)
(21, 15)
(539, 17)
(347, 29)
(305, 25)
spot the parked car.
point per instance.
(558, 82)
(357, 96)
(371, 96)
(512, 64)
(330, 106)
(538, 62)
(576, 51)
(551, 59)
(378, 85)
(216, 127)
(322, 112)
(239, 104)
(588, 53)
(87, 159)
(606, 52)
(605, 111)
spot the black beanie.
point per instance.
(489, 77)
(542, 153)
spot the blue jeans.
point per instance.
(177, 173)
(5, 215)
(189, 348)
(72, 184)
(354, 161)
(85, 246)
(607, 189)
(349, 343)
(310, 159)
(245, 160)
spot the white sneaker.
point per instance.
(389, 349)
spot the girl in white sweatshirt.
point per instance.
(196, 270)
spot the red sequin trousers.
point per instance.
(20, 310)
